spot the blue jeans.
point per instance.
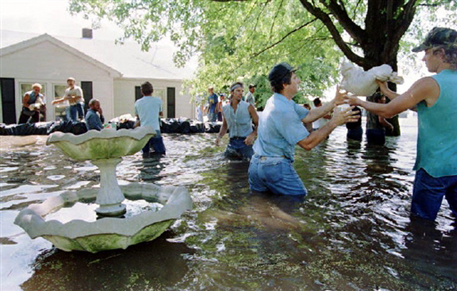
(376, 136)
(355, 133)
(74, 111)
(80, 110)
(275, 174)
(156, 143)
(237, 149)
(71, 112)
(428, 194)
(212, 116)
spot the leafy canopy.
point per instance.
(238, 40)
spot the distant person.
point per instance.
(31, 103)
(74, 95)
(219, 106)
(238, 118)
(148, 110)
(324, 119)
(355, 131)
(212, 102)
(308, 125)
(376, 125)
(94, 116)
(250, 95)
(281, 128)
(200, 112)
(435, 100)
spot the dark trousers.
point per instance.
(376, 136)
(156, 143)
(34, 118)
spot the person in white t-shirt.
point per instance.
(323, 120)
(74, 95)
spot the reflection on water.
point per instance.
(352, 231)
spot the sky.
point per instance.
(49, 16)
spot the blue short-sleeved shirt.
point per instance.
(148, 108)
(280, 127)
(93, 121)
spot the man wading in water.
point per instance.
(238, 118)
(281, 128)
(435, 100)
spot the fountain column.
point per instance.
(109, 196)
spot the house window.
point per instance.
(137, 92)
(160, 93)
(25, 87)
(59, 91)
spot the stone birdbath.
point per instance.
(105, 149)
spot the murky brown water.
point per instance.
(352, 232)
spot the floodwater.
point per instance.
(352, 232)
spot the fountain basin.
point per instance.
(103, 144)
(106, 233)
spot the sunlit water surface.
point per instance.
(352, 232)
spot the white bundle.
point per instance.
(363, 83)
(34, 106)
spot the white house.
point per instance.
(104, 70)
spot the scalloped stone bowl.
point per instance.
(104, 144)
(107, 233)
(105, 149)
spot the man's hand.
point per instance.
(100, 111)
(339, 96)
(250, 139)
(352, 100)
(218, 140)
(345, 115)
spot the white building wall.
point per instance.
(124, 96)
(49, 64)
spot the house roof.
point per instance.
(124, 59)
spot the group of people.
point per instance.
(33, 103)
(214, 105)
(279, 128)
(268, 139)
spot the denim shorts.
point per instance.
(428, 194)
(276, 175)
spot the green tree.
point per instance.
(238, 40)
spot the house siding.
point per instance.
(124, 96)
(48, 64)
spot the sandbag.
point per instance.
(363, 83)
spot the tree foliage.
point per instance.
(239, 40)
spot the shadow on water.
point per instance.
(154, 265)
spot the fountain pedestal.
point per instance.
(109, 196)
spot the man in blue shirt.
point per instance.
(435, 100)
(212, 102)
(148, 110)
(281, 128)
(93, 120)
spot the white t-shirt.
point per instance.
(319, 123)
(76, 91)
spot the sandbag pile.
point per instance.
(168, 125)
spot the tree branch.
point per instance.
(283, 38)
(327, 21)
